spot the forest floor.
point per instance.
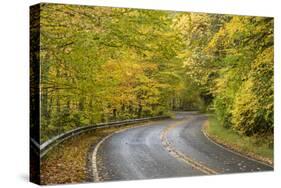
(67, 163)
(253, 147)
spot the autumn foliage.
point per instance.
(104, 64)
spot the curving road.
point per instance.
(167, 148)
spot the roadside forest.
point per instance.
(100, 64)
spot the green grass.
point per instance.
(258, 148)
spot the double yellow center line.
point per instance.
(179, 155)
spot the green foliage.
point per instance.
(253, 108)
(103, 64)
(106, 64)
(231, 61)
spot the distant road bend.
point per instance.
(167, 148)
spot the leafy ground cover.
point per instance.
(67, 163)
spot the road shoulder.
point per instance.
(233, 147)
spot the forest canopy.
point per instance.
(100, 64)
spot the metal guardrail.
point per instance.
(42, 149)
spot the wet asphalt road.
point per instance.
(141, 153)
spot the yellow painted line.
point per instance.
(179, 155)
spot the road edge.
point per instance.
(95, 174)
(235, 150)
